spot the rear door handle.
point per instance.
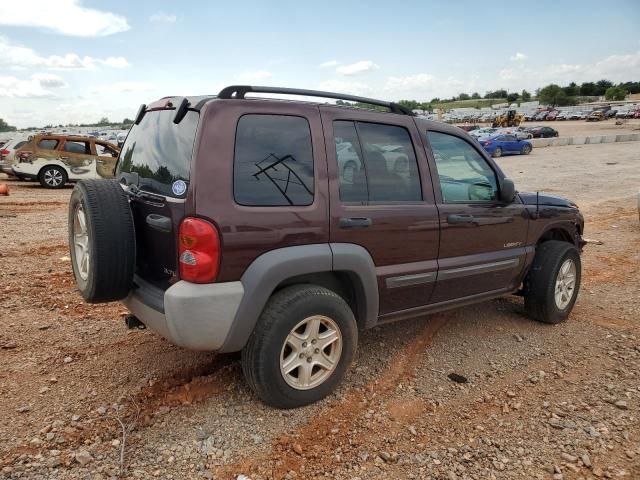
(457, 219)
(355, 222)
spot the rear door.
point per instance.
(107, 155)
(78, 158)
(155, 167)
(382, 199)
(482, 240)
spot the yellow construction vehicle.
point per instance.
(509, 119)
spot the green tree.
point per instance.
(103, 121)
(127, 121)
(512, 97)
(526, 96)
(588, 89)
(554, 95)
(497, 94)
(615, 93)
(572, 89)
(475, 95)
(601, 86)
(463, 96)
(5, 127)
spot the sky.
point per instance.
(76, 61)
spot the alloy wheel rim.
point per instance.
(53, 177)
(311, 352)
(81, 243)
(565, 284)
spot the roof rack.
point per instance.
(239, 92)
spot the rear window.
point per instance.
(48, 144)
(159, 152)
(273, 162)
(77, 147)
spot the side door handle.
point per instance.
(355, 222)
(458, 219)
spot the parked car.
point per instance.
(575, 116)
(542, 132)
(541, 116)
(505, 144)
(562, 116)
(595, 116)
(270, 250)
(520, 132)
(8, 153)
(54, 160)
(482, 132)
(552, 115)
(610, 113)
(121, 138)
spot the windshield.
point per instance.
(156, 156)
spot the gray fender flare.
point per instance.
(272, 268)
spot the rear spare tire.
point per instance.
(101, 240)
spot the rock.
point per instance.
(621, 404)
(586, 460)
(75, 418)
(297, 448)
(23, 409)
(43, 390)
(83, 457)
(68, 359)
(412, 430)
(510, 394)
(385, 456)
(457, 378)
(115, 443)
(257, 439)
(54, 462)
(568, 457)
(101, 410)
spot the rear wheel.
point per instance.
(301, 346)
(526, 149)
(101, 240)
(552, 284)
(52, 177)
(497, 152)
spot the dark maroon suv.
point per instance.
(281, 228)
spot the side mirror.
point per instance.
(507, 190)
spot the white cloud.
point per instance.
(357, 68)
(518, 57)
(330, 63)
(13, 87)
(252, 76)
(18, 57)
(345, 86)
(161, 17)
(121, 87)
(49, 80)
(66, 17)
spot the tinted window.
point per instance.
(76, 147)
(273, 162)
(159, 152)
(465, 176)
(105, 151)
(48, 144)
(376, 163)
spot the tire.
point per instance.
(52, 177)
(106, 273)
(541, 282)
(497, 153)
(264, 354)
(526, 150)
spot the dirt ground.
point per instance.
(540, 402)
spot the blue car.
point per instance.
(504, 144)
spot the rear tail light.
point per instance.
(24, 155)
(3, 153)
(199, 251)
(487, 143)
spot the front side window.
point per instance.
(376, 163)
(103, 150)
(48, 144)
(465, 176)
(77, 147)
(273, 161)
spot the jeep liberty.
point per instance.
(282, 228)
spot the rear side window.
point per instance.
(157, 154)
(77, 147)
(48, 144)
(273, 161)
(376, 163)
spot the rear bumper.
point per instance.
(193, 316)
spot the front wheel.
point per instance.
(301, 347)
(497, 152)
(52, 177)
(526, 149)
(552, 284)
